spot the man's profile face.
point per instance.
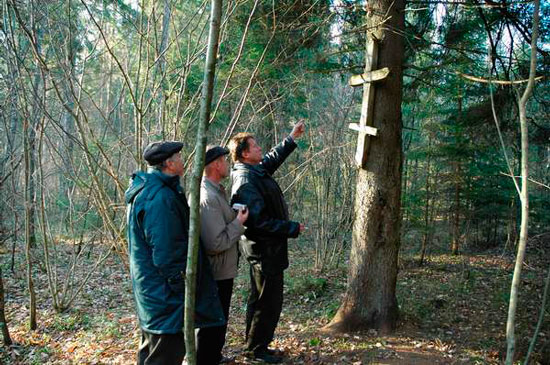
(174, 165)
(223, 166)
(253, 154)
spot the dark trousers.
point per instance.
(210, 340)
(166, 349)
(264, 308)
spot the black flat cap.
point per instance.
(156, 152)
(213, 153)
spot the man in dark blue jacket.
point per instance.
(157, 217)
(267, 230)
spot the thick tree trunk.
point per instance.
(200, 146)
(370, 300)
(524, 197)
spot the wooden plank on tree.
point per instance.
(371, 131)
(371, 76)
(367, 106)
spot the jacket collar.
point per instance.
(154, 180)
(257, 169)
(172, 181)
(137, 183)
(209, 184)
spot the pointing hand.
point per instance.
(298, 129)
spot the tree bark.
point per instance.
(161, 67)
(370, 300)
(30, 238)
(455, 225)
(3, 322)
(66, 144)
(455, 242)
(14, 117)
(524, 197)
(194, 216)
(29, 131)
(511, 230)
(427, 221)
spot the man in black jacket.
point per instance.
(267, 230)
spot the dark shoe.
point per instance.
(268, 358)
(275, 352)
(227, 360)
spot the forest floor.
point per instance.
(453, 311)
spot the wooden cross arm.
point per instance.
(370, 76)
(371, 131)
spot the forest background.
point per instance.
(87, 84)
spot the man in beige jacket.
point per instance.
(221, 228)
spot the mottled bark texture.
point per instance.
(370, 300)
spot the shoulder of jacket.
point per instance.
(240, 180)
(208, 195)
(160, 192)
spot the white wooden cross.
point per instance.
(367, 79)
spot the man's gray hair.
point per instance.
(162, 165)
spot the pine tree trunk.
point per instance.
(198, 166)
(455, 228)
(370, 300)
(427, 220)
(455, 243)
(524, 197)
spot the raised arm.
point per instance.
(278, 154)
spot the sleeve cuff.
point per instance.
(240, 227)
(295, 230)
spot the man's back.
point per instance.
(157, 231)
